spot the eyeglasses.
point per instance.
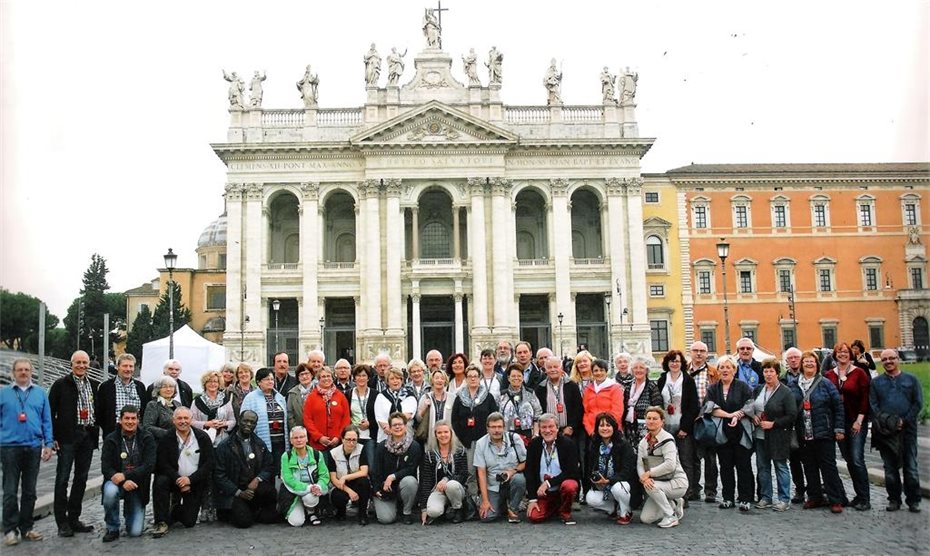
(745, 348)
(350, 439)
(884, 359)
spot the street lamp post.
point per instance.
(621, 314)
(170, 260)
(723, 251)
(610, 347)
(322, 326)
(276, 306)
(561, 342)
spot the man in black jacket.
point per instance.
(244, 477)
(183, 393)
(117, 392)
(552, 473)
(75, 430)
(127, 461)
(532, 375)
(182, 473)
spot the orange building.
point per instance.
(818, 253)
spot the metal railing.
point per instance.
(53, 368)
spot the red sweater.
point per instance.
(854, 391)
(319, 422)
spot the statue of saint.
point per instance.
(372, 67)
(255, 90)
(607, 86)
(431, 29)
(236, 88)
(395, 66)
(471, 68)
(307, 86)
(629, 87)
(495, 59)
(553, 83)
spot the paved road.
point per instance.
(705, 529)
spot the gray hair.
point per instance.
(182, 409)
(298, 428)
(547, 417)
(416, 362)
(169, 362)
(623, 355)
(163, 380)
(792, 351)
(316, 352)
(727, 358)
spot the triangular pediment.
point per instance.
(656, 222)
(434, 123)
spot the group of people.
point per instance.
(455, 440)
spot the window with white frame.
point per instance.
(700, 213)
(910, 210)
(742, 213)
(825, 268)
(784, 274)
(704, 281)
(745, 281)
(788, 337)
(820, 211)
(655, 253)
(915, 271)
(746, 275)
(871, 273)
(709, 337)
(216, 298)
(749, 330)
(656, 290)
(780, 212)
(865, 209)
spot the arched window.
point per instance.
(586, 225)
(284, 229)
(435, 223)
(339, 240)
(655, 253)
(530, 222)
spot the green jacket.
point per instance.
(290, 472)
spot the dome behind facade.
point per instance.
(214, 234)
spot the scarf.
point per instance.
(651, 441)
(214, 403)
(395, 398)
(470, 402)
(805, 383)
(399, 447)
(326, 393)
(554, 397)
(607, 382)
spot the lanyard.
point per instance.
(557, 392)
(21, 400)
(548, 456)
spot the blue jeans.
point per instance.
(911, 476)
(853, 450)
(764, 469)
(507, 498)
(133, 510)
(20, 465)
(77, 454)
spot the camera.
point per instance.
(595, 477)
(502, 477)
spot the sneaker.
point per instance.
(836, 508)
(161, 528)
(763, 504)
(33, 536)
(568, 521)
(111, 536)
(913, 508)
(625, 519)
(726, 505)
(893, 506)
(680, 508)
(513, 517)
(862, 506)
(11, 539)
(744, 506)
(668, 521)
(781, 506)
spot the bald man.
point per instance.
(433, 361)
(792, 372)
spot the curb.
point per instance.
(877, 477)
(45, 503)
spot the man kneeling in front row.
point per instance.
(244, 487)
(552, 474)
(127, 461)
(182, 472)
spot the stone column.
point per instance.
(456, 247)
(394, 224)
(417, 340)
(360, 256)
(372, 262)
(616, 223)
(478, 249)
(310, 240)
(459, 323)
(562, 243)
(502, 259)
(232, 338)
(254, 241)
(415, 231)
(637, 250)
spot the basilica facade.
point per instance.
(434, 216)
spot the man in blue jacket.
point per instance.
(25, 437)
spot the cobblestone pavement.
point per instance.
(705, 529)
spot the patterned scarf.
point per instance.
(327, 393)
(399, 447)
(218, 401)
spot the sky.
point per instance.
(108, 108)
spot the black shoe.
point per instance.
(799, 499)
(862, 506)
(693, 497)
(458, 515)
(65, 531)
(893, 506)
(362, 519)
(80, 527)
(913, 508)
(340, 516)
(111, 536)
(408, 519)
(710, 499)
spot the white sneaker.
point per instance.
(668, 521)
(679, 508)
(781, 506)
(11, 538)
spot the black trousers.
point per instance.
(262, 508)
(797, 473)
(76, 455)
(186, 507)
(733, 457)
(819, 457)
(339, 499)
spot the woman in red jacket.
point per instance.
(602, 395)
(326, 412)
(853, 382)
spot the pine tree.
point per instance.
(142, 332)
(85, 316)
(182, 315)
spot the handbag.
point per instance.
(421, 433)
(707, 432)
(650, 462)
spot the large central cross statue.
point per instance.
(439, 9)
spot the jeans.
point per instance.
(619, 493)
(77, 454)
(453, 496)
(764, 468)
(20, 465)
(853, 449)
(133, 510)
(911, 476)
(507, 498)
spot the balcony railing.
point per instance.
(527, 115)
(329, 265)
(282, 118)
(533, 262)
(337, 117)
(598, 261)
(282, 266)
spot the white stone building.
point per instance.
(434, 217)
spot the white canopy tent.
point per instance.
(196, 354)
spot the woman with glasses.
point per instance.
(470, 410)
(641, 395)
(348, 475)
(731, 400)
(519, 405)
(775, 414)
(435, 405)
(158, 417)
(680, 400)
(394, 473)
(393, 399)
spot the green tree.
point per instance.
(142, 332)
(85, 315)
(160, 319)
(19, 327)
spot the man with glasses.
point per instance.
(896, 399)
(703, 374)
(343, 372)
(792, 372)
(500, 459)
(748, 369)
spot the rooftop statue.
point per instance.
(236, 88)
(372, 67)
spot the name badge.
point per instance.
(22, 416)
(84, 414)
(516, 423)
(275, 425)
(123, 455)
(470, 422)
(671, 409)
(251, 456)
(334, 402)
(807, 405)
(559, 407)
